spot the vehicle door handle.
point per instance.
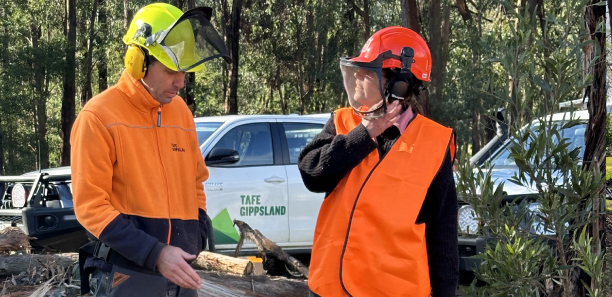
(274, 179)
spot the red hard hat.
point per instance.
(394, 39)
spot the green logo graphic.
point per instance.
(223, 229)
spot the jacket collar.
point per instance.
(136, 93)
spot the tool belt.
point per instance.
(103, 252)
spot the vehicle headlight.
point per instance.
(19, 194)
(468, 220)
(538, 226)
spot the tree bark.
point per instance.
(40, 101)
(87, 92)
(190, 78)
(365, 14)
(101, 38)
(179, 4)
(463, 10)
(610, 12)
(228, 285)
(410, 15)
(366, 19)
(127, 14)
(233, 35)
(68, 97)
(595, 142)
(438, 41)
(15, 264)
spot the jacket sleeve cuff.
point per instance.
(139, 246)
(151, 261)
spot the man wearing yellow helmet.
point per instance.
(137, 169)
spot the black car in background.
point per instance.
(40, 203)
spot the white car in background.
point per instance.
(503, 168)
(252, 161)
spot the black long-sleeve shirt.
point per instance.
(329, 157)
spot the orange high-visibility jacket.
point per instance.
(366, 240)
(137, 173)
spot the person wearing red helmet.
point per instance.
(388, 224)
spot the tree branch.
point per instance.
(358, 10)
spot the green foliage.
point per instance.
(534, 249)
(532, 243)
(517, 265)
(591, 262)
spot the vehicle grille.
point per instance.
(467, 250)
(9, 219)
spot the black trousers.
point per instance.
(120, 282)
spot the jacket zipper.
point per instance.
(164, 172)
(159, 116)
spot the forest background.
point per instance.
(487, 54)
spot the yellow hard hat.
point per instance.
(182, 42)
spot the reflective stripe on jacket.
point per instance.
(137, 182)
(366, 240)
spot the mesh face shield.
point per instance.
(190, 41)
(363, 85)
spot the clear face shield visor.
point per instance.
(190, 41)
(363, 85)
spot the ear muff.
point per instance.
(401, 84)
(135, 62)
(398, 89)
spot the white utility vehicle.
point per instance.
(252, 161)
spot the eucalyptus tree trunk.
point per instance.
(410, 20)
(87, 92)
(68, 97)
(595, 135)
(128, 14)
(187, 92)
(439, 31)
(233, 37)
(101, 38)
(190, 78)
(40, 102)
(410, 15)
(365, 15)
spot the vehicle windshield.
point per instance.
(205, 129)
(575, 134)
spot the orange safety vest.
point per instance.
(366, 241)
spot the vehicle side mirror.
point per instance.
(221, 155)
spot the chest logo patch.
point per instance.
(176, 148)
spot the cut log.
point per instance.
(266, 248)
(228, 285)
(15, 264)
(221, 263)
